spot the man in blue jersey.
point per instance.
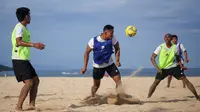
(181, 50)
(102, 47)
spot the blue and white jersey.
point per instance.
(102, 48)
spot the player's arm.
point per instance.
(20, 42)
(186, 56)
(185, 53)
(153, 61)
(86, 58)
(117, 54)
(178, 59)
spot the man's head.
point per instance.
(168, 38)
(174, 39)
(23, 15)
(108, 31)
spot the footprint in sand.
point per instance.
(197, 86)
(8, 97)
(163, 97)
(46, 94)
(158, 109)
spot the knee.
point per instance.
(185, 80)
(29, 84)
(169, 76)
(37, 81)
(155, 83)
(117, 79)
(118, 83)
(95, 86)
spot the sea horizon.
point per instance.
(145, 72)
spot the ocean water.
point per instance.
(146, 72)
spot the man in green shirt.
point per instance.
(168, 53)
(22, 67)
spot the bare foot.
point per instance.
(31, 108)
(167, 86)
(18, 109)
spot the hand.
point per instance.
(118, 64)
(186, 60)
(184, 68)
(39, 46)
(160, 71)
(83, 70)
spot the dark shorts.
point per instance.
(112, 70)
(23, 70)
(182, 70)
(177, 72)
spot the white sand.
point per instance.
(64, 94)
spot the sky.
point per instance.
(66, 26)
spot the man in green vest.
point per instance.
(168, 53)
(22, 67)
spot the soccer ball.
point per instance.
(131, 31)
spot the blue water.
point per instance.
(124, 72)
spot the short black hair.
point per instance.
(21, 13)
(168, 35)
(108, 27)
(175, 36)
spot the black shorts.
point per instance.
(182, 70)
(112, 70)
(177, 72)
(23, 70)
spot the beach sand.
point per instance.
(67, 94)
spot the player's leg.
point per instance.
(169, 79)
(190, 87)
(34, 89)
(114, 73)
(179, 74)
(22, 72)
(98, 74)
(157, 80)
(24, 92)
(184, 86)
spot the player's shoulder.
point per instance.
(161, 45)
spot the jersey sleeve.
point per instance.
(158, 49)
(19, 31)
(114, 40)
(176, 51)
(182, 48)
(91, 43)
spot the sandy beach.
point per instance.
(65, 94)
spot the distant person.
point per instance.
(181, 50)
(22, 67)
(102, 47)
(168, 52)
